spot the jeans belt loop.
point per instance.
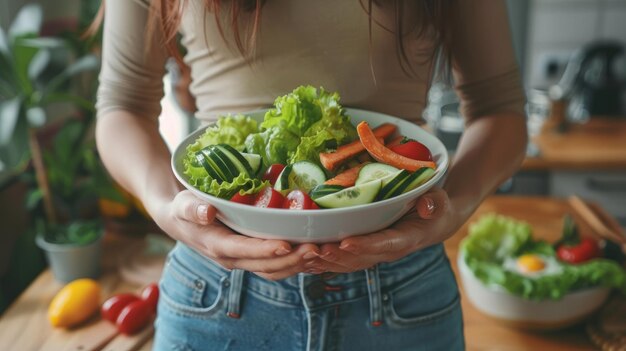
(234, 293)
(375, 296)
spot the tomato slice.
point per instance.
(247, 199)
(112, 307)
(414, 150)
(269, 198)
(585, 250)
(273, 172)
(299, 200)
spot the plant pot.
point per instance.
(72, 261)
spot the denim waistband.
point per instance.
(318, 291)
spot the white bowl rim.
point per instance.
(442, 168)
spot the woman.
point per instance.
(393, 289)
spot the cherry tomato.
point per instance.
(112, 307)
(150, 294)
(268, 197)
(134, 317)
(299, 200)
(585, 250)
(414, 150)
(273, 172)
(247, 199)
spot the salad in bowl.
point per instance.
(308, 169)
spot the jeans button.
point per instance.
(316, 290)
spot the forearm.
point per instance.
(490, 151)
(136, 156)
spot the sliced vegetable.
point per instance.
(392, 185)
(330, 160)
(324, 189)
(112, 307)
(346, 178)
(273, 172)
(412, 181)
(134, 317)
(299, 200)
(269, 198)
(255, 161)
(235, 158)
(384, 154)
(413, 150)
(303, 175)
(395, 141)
(352, 196)
(246, 199)
(374, 171)
(574, 249)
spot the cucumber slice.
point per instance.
(373, 171)
(255, 162)
(387, 190)
(282, 182)
(208, 166)
(352, 196)
(223, 164)
(414, 180)
(305, 176)
(324, 189)
(237, 159)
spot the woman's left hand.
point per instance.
(433, 221)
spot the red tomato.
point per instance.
(150, 294)
(269, 198)
(134, 317)
(273, 172)
(584, 251)
(414, 150)
(247, 199)
(112, 307)
(299, 200)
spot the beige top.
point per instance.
(322, 43)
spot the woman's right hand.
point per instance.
(188, 219)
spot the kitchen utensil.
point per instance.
(612, 232)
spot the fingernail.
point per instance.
(430, 205)
(329, 256)
(282, 251)
(201, 211)
(310, 255)
(347, 247)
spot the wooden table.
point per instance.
(24, 325)
(599, 144)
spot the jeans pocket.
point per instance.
(185, 292)
(426, 298)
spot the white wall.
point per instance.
(556, 28)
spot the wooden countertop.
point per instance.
(599, 144)
(24, 325)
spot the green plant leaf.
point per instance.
(85, 63)
(44, 42)
(27, 21)
(33, 198)
(22, 56)
(74, 99)
(9, 115)
(39, 62)
(4, 43)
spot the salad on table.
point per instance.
(501, 251)
(305, 154)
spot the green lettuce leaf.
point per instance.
(242, 184)
(231, 130)
(275, 145)
(494, 238)
(296, 111)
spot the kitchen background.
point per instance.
(568, 50)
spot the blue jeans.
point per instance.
(409, 304)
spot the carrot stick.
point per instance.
(395, 141)
(330, 160)
(383, 154)
(346, 178)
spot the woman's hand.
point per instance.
(193, 222)
(433, 221)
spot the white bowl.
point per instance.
(515, 311)
(326, 225)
